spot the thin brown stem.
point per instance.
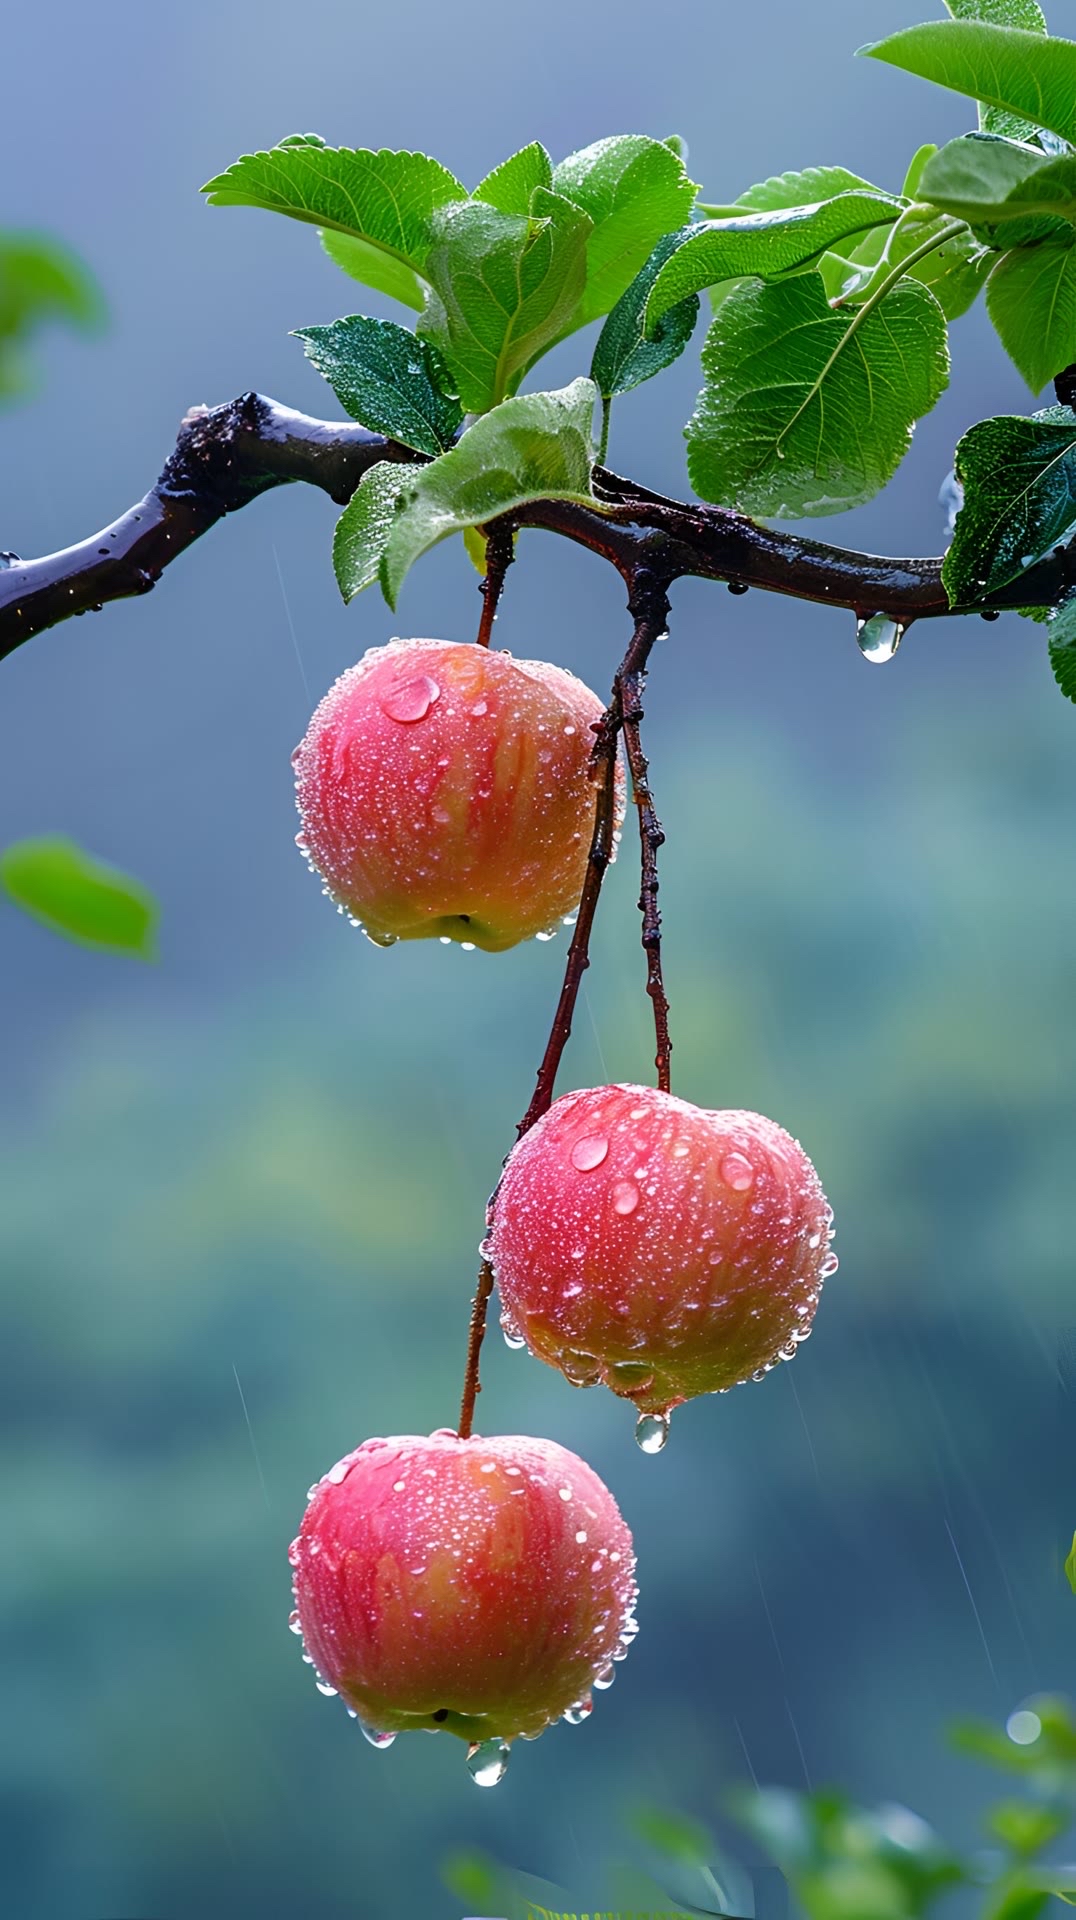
(472, 1385)
(500, 553)
(651, 838)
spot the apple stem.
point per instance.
(500, 553)
(648, 603)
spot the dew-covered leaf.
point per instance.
(1012, 195)
(383, 203)
(391, 380)
(624, 355)
(765, 244)
(363, 529)
(509, 187)
(1019, 481)
(1031, 299)
(797, 189)
(807, 410)
(56, 882)
(1003, 13)
(634, 190)
(537, 446)
(955, 270)
(506, 287)
(1023, 72)
(1061, 640)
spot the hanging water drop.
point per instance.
(651, 1431)
(581, 1711)
(879, 637)
(487, 1762)
(294, 1623)
(379, 1740)
(605, 1678)
(324, 1687)
(512, 1336)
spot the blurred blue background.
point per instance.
(248, 1183)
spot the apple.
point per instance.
(477, 1586)
(659, 1247)
(446, 791)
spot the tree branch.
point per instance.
(226, 456)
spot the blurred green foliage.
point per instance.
(81, 898)
(40, 281)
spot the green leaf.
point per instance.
(802, 189)
(1024, 1826)
(1031, 298)
(810, 411)
(1003, 13)
(763, 244)
(389, 379)
(510, 186)
(40, 280)
(623, 355)
(1019, 480)
(538, 446)
(915, 169)
(383, 203)
(506, 286)
(1061, 639)
(1010, 194)
(955, 270)
(372, 268)
(634, 190)
(1070, 639)
(363, 529)
(79, 897)
(1008, 67)
(674, 1835)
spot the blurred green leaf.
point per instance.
(673, 1834)
(634, 190)
(624, 356)
(1070, 1563)
(1001, 66)
(537, 446)
(1031, 299)
(40, 280)
(1019, 480)
(363, 529)
(1025, 1827)
(761, 243)
(388, 378)
(506, 285)
(95, 905)
(510, 186)
(796, 419)
(382, 203)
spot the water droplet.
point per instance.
(651, 1431)
(324, 1687)
(548, 933)
(879, 637)
(487, 1762)
(467, 946)
(589, 1153)
(379, 1740)
(412, 699)
(581, 1711)
(829, 1265)
(625, 1197)
(605, 1678)
(737, 1172)
(294, 1622)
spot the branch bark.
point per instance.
(226, 456)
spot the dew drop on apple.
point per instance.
(589, 1153)
(879, 637)
(411, 700)
(581, 1711)
(603, 1680)
(651, 1432)
(324, 1687)
(512, 1336)
(379, 1740)
(625, 1198)
(487, 1762)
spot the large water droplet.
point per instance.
(412, 699)
(829, 1265)
(651, 1431)
(625, 1197)
(737, 1172)
(512, 1336)
(324, 1687)
(379, 1740)
(879, 637)
(605, 1678)
(581, 1711)
(487, 1762)
(294, 1622)
(589, 1153)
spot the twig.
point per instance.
(472, 1386)
(651, 612)
(500, 553)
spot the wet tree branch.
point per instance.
(227, 456)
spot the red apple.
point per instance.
(447, 790)
(659, 1247)
(480, 1586)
